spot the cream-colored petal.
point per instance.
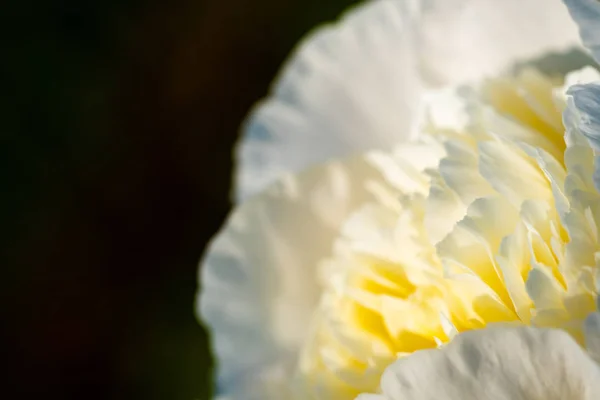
(258, 276)
(443, 209)
(513, 262)
(495, 363)
(586, 14)
(512, 173)
(476, 238)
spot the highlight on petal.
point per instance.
(586, 14)
(349, 87)
(258, 276)
(467, 40)
(495, 363)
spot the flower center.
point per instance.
(489, 217)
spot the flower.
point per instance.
(497, 363)
(364, 84)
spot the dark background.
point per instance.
(118, 119)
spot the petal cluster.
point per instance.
(491, 217)
(357, 84)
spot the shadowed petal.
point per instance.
(586, 14)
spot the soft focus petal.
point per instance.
(496, 363)
(587, 15)
(357, 84)
(348, 87)
(258, 276)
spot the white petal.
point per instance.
(587, 14)
(586, 102)
(512, 173)
(592, 335)
(496, 363)
(357, 84)
(465, 40)
(477, 237)
(348, 87)
(583, 116)
(258, 276)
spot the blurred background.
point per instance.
(118, 121)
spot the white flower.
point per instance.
(497, 363)
(358, 85)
